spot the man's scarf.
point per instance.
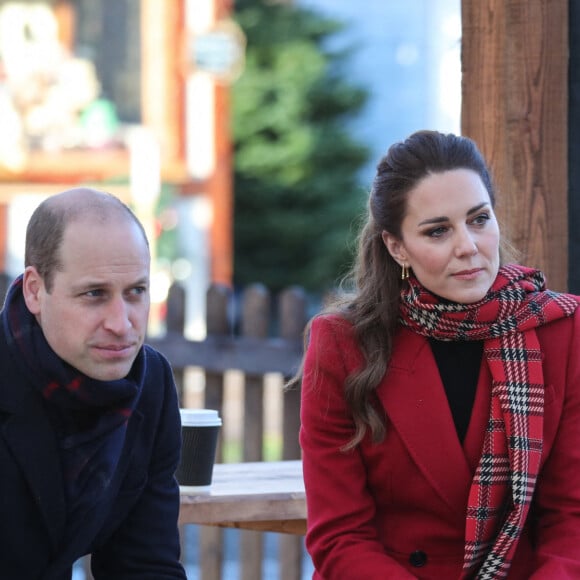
(505, 478)
(90, 416)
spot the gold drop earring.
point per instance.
(404, 272)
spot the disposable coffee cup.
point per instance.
(199, 430)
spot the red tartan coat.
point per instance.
(397, 509)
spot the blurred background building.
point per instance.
(128, 96)
(135, 96)
(144, 98)
(247, 147)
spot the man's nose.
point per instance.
(117, 316)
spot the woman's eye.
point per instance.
(436, 232)
(481, 219)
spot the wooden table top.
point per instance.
(264, 495)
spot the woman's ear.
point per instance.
(395, 247)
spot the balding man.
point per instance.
(89, 419)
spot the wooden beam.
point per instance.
(9, 191)
(574, 150)
(163, 70)
(221, 184)
(514, 105)
(221, 189)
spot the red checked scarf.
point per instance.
(505, 319)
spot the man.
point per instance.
(89, 419)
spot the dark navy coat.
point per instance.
(132, 531)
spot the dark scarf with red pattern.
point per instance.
(504, 482)
(89, 416)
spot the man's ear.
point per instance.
(395, 247)
(32, 284)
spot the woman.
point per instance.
(441, 398)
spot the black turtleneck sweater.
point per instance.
(459, 364)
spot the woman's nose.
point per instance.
(465, 244)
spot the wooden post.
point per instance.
(292, 323)
(162, 79)
(212, 539)
(213, 176)
(3, 235)
(221, 192)
(574, 149)
(175, 323)
(255, 322)
(221, 184)
(514, 105)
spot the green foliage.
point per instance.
(296, 190)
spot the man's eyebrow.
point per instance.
(441, 219)
(98, 284)
(144, 281)
(88, 285)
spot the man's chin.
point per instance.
(107, 373)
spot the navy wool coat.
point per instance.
(132, 530)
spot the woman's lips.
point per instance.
(468, 274)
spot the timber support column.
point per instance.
(515, 106)
(222, 187)
(216, 54)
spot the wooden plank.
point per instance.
(255, 506)
(163, 78)
(211, 539)
(255, 324)
(290, 529)
(293, 319)
(69, 167)
(8, 191)
(574, 149)
(219, 354)
(222, 192)
(3, 240)
(175, 323)
(291, 551)
(221, 186)
(514, 105)
(248, 491)
(211, 550)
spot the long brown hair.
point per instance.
(370, 300)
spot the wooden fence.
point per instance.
(243, 341)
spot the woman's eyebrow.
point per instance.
(440, 219)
